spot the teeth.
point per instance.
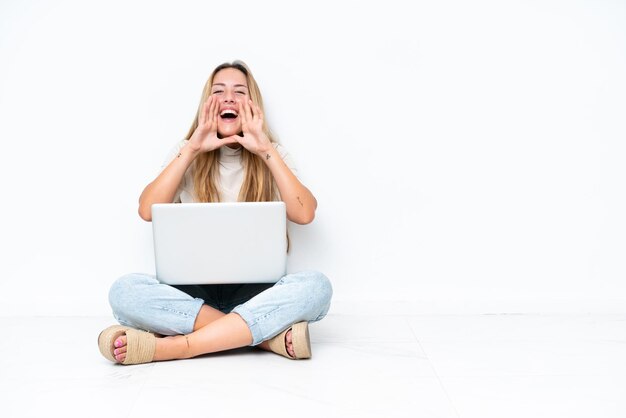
(228, 112)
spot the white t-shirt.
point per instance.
(231, 173)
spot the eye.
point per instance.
(240, 92)
(217, 91)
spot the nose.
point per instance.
(229, 97)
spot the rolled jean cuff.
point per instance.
(248, 317)
(190, 320)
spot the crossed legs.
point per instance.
(187, 326)
(213, 331)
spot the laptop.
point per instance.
(218, 243)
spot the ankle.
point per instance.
(186, 348)
(172, 348)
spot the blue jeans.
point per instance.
(141, 301)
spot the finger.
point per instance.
(233, 139)
(202, 113)
(216, 109)
(207, 106)
(242, 113)
(257, 111)
(210, 109)
(249, 110)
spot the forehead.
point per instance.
(230, 76)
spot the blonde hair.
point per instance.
(258, 183)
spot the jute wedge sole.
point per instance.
(299, 340)
(140, 345)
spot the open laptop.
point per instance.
(210, 243)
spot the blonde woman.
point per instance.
(228, 155)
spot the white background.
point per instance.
(466, 156)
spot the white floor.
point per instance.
(479, 366)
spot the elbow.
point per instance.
(308, 218)
(304, 218)
(304, 214)
(145, 213)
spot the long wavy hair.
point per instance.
(258, 183)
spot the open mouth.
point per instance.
(228, 115)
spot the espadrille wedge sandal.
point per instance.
(140, 345)
(299, 340)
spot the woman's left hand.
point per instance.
(254, 139)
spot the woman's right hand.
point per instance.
(204, 138)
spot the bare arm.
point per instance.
(300, 202)
(204, 139)
(163, 188)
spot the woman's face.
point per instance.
(230, 88)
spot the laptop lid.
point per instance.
(210, 243)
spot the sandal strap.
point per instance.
(141, 346)
(107, 338)
(299, 339)
(277, 344)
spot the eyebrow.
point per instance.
(224, 85)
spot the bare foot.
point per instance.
(289, 344)
(167, 348)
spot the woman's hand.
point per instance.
(204, 138)
(254, 139)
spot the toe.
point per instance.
(120, 354)
(289, 344)
(120, 342)
(119, 351)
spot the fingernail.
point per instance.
(117, 343)
(115, 352)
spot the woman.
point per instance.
(228, 155)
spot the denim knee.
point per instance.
(319, 292)
(141, 301)
(301, 296)
(123, 293)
